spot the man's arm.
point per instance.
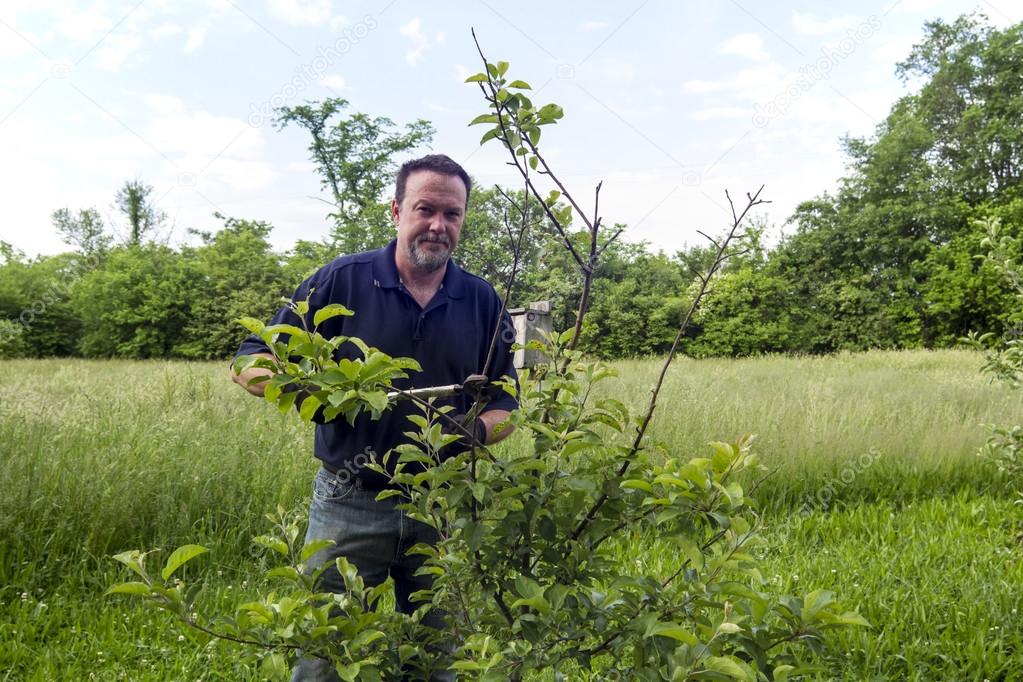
(491, 419)
(248, 375)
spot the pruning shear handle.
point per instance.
(473, 385)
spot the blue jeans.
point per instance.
(374, 536)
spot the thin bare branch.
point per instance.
(610, 240)
(709, 238)
(637, 442)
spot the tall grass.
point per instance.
(98, 457)
(921, 412)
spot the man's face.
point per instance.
(429, 219)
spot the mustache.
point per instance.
(436, 239)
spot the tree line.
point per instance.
(888, 260)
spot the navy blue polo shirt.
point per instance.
(449, 338)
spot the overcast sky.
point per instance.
(669, 103)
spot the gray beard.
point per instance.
(428, 261)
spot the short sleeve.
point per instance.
(253, 344)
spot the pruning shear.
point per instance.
(474, 385)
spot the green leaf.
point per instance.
(274, 666)
(692, 552)
(329, 311)
(309, 407)
(730, 667)
(489, 135)
(289, 329)
(252, 324)
(245, 362)
(313, 547)
(136, 588)
(485, 118)
(673, 631)
(271, 543)
(549, 113)
(537, 602)
(782, 672)
(477, 78)
(377, 400)
(179, 557)
(132, 559)
(407, 363)
(850, 618)
(637, 484)
(286, 401)
(286, 572)
(521, 85)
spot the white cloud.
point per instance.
(442, 109)
(334, 82)
(612, 70)
(413, 31)
(297, 13)
(163, 104)
(166, 31)
(894, 48)
(82, 26)
(810, 25)
(196, 37)
(115, 49)
(748, 45)
(717, 113)
(218, 149)
(13, 46)
(197, 137)
(914, 6)
(301, 167)
(587, 26)
(756, 83)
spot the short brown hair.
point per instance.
(435, 163)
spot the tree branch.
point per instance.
(637, 442)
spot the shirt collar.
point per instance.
(385, 272)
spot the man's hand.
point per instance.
(491, 419)
(470, 433)
(248, 375)
(480, 431)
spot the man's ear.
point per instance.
(394, 211)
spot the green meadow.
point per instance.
(875, 493)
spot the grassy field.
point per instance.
(877, 495)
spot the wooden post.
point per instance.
(529, 323)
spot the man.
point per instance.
(409, 300)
